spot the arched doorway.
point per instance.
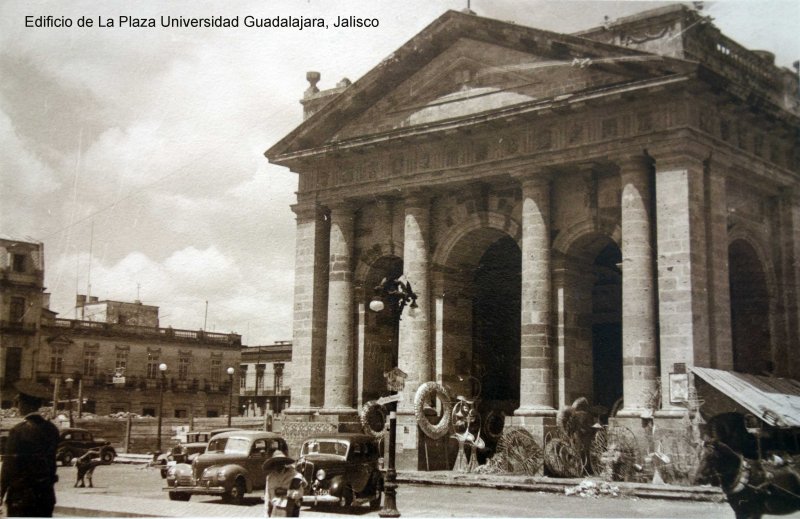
(607, 327)
(750, 323)
(381, 331)
(589, 291)
(496, 324)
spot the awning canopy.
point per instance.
(774, 400)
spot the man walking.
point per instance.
(29, 460)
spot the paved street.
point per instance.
(134, 490)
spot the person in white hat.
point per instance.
(283, 494)
(29, 460)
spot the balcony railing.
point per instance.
(171, 334)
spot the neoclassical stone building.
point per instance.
(580, 215)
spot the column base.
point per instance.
(535, 411)
(338, 410)
(635, 412)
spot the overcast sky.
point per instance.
(146, 145)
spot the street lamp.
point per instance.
(230, 395)
(68, 382)
(395, 294)
(162, 368)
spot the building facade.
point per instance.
(108, 360)
(265, 379)
(579, 215)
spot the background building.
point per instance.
(265, 379)
(586, 215)
(108, 361)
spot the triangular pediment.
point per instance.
(60, 339)
(461, 66)
(472, 77)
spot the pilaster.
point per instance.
(310, 308)
(682, 270)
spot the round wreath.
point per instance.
(424, 394)
(373, 418)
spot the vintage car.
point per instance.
(186, 451)
(341, 468)
(74, 443)
(231, 467)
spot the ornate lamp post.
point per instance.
(68, 382)
(396, 295)
(162, 368)
(230, 395)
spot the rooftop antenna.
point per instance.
(89, 273)
(205, 320)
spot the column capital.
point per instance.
(633, 161)
(416, 198)
(679, 155)
(340, 206)
(307, 211)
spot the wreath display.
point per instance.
(425, 393)
(372, 416)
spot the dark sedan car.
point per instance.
(341, 468)
(231, 467)
(74, 442)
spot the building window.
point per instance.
(16, 311)
(121, 361)
(181, 413)
(149, 411)
(243, 378)
(183, 368)
(56, 359)
(19, 262)
(259, 377)
(278, 377)
(216, 370)
(212, 413)
(152, 367)
(90, 363)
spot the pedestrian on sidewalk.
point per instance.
(283, 494)
(29, 460)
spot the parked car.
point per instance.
(231, 467)
(341, 468)
(74, 442)
(185, 452)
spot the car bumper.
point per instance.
(203, 490)
(314, 499)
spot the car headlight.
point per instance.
(171, 472)
(321, 474)
(221, 475)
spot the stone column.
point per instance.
(416, 356)
(719, 300)
(339, 357)
(536, 357)
(310, 307)
(639, 353)
(682, 270)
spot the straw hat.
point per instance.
(278, 459)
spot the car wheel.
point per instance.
(237, 492)
(66, 458)
(375, 502)
(163, 473)
(179, 496)
(107, 456)
(347, 498)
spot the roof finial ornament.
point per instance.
(313, 78)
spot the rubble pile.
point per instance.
(589, 488)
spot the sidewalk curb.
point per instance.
(558, 486)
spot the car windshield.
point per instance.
(337, 447)
(237, 446)
(217, 445)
